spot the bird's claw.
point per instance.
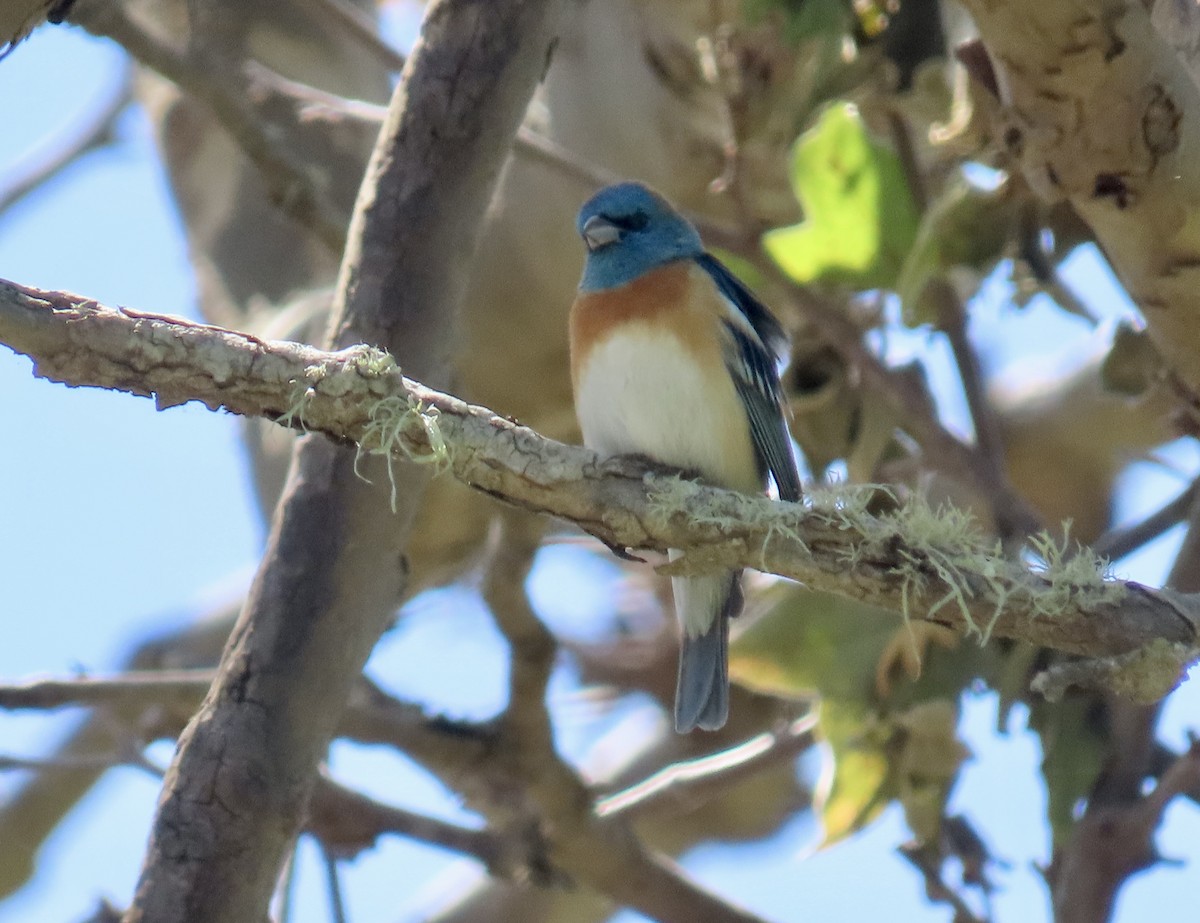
(622, 552)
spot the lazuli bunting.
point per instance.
(672, 358)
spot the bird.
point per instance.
(675, 361)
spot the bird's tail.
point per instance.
(704, 606)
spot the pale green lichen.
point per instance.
(300, 394)
(1153, 671)
(926, 546)
(372, 362)
(389, 432)
(946, 545)
(947, 541)
(784, 531)
(843, 505)
(334, 377)
(668, 494)
(1074, 576)
(1144, 675)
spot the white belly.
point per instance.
(642, 393)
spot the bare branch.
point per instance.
(148, 688)
(96, 132)
(337, 906)
(936, 888)
(1117, 543)
(1114, 838)
(1113, 842)
(989, 443)
(596, 851)
(342, 14)
(246, 100)
(693, 782)
(347, 822)
(39, 803)
(538, 147)
(78, 764)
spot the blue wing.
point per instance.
(755, 340)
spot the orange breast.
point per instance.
(660, 298)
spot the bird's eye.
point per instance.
(635, 222)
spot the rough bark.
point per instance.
(1098, 110)
(235, 795)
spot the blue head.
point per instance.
(629, 231)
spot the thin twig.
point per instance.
(133, 688)
(538, 147)
(593, 850)
(1117, 543)
(989, 443)
(288, 886)
(936, 889)
(360, 26)
(952, 319)
(906, 151)
(104, 913)
(526, 721)
(237, 96)
(78, 763)
(346, 822)
(686, 784)
(97, 131)
(337, 906)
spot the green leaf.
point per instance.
(1133, 363)
(813, 642)
(861, 217)
(1073, 750)
(806, 642)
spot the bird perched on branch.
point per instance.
(673, 359)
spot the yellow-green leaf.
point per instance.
(861, 219)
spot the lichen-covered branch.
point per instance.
(928, 564)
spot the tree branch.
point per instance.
(1116, 543)
(692, 782)
(39, 804)
(145, 688)
(246, 99)
(931, 567)
(1098, 110)
(97, 131)
(989, 442)
(1114, 842)
(331, 579)
(347, 822)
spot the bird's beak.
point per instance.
(599, 232)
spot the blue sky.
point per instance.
(120, 522)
